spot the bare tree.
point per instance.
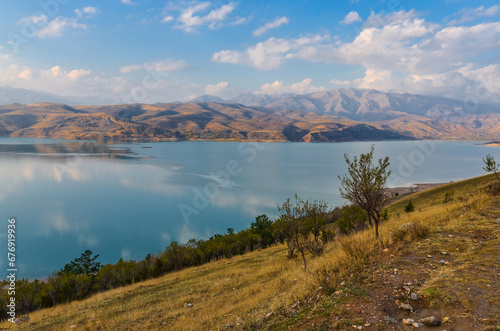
(365, 183)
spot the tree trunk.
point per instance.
(303, 258)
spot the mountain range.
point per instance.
(335, 115)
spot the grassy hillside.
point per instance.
(449, 259)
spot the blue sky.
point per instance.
(151, 51)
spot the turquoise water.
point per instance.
(128, 200)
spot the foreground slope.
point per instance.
(356, 283)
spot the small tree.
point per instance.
(364, 184)
(85, 264)
(302, 227)
(491, 165)
(263, 227)
(409, 207)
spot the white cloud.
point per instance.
(127, 2)
(340, 82)
(398, 51)
(215, 89)
(168, 65)
(213, 19)
(471, 14)
(269, 55)
(56, 27)
(350, 18)
(167, 19)
(89, 11)
(278, 87)
(279, 21)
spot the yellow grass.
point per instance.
(242, 291)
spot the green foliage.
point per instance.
(263, 227)
(364, 184)
(449, 196)
(301, 226)
(490, 165)
(85, 264)
(409, 207)
(352, 218)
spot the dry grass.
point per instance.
(242, 292)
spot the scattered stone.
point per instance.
(390, 319)
(442, 262)
(444, 253)
(451, 236)
(386, 249)
(269, 314)
(188, 305)
(429, 256)
(417, 325)
(367, 324)
(408, 321)
(22, 319)
(72, 326)
(497, 221)
(414, 296)
(342, 284)
(431, 321)
(403, 306)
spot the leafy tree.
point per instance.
(364, 184)
(352, 217)
(491, 165)
(85, 264)
(299, 222)
(263, 226)
(409, 207)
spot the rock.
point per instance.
(22, 319)
(429, 256)
(342, 284)
(72, 326)
(386, 249)
(497, 221)
(414, 296)
(269, 314)
(451, 236)
(408, 226)
(442, 262)
(417, 325)
(188, 305)
(431, 321)
(390, 319)
(444, 253)
(408, 321)
(403, 306)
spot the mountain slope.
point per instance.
(369, 105)
(182, 121)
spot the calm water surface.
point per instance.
(128, 200)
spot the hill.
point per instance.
(177, 121)
(445, 265)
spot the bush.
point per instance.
(409, 207)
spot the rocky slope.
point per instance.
(182, 121)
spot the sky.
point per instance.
(128, 51)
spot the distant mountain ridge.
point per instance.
(10, 95)
(368, 105)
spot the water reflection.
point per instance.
(122, 201)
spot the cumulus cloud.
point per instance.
(278, 87)
(215, 89)
(351, 18)
(399, 50)
(127, 2)
(279, 21)
(167, 65)
(269, 55)
(340, 82)
(190, 18)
